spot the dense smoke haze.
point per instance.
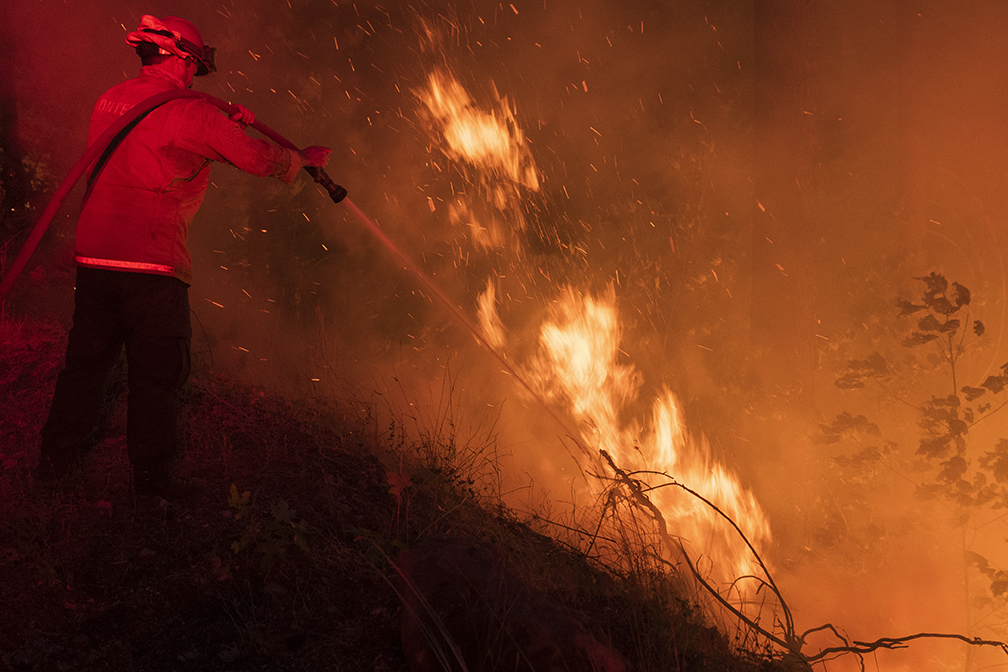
(752, 186)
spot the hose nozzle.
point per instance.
(336, 192)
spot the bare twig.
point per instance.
(858, 647)
(790, 642)
(756, 555)
(641, 498)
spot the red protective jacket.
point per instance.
(136, 216)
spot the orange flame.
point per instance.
(578, 362)
(490, 322)
(578, 365)
(478, 137)
(492, 144)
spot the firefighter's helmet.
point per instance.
(172, 36)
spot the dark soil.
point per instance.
(280, 557)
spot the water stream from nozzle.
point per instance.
(455, 310)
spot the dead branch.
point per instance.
(635, 487)
(789, 629)
(791, 643)
(859, 647)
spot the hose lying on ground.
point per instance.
(103, 147)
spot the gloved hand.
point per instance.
(316, 157)
(243, 116)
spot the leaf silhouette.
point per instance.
(996, 461)
(934, 446)
(953, 470)
(398, 481)
(936, 282)
(917, 338)
(908, 308)
(929, 323)
(960, 295)
(950, 326)
(972, 393)
(994, 383)
(940, 304)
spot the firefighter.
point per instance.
(133, 268)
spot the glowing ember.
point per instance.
(461, 214)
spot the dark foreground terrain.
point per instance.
(282, 557)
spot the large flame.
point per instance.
(492, 147)
(481, 138)
(578, 365)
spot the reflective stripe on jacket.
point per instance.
(137, 214)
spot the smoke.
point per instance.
(758, 182)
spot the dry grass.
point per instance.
(289, 569)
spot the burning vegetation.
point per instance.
(664, 270)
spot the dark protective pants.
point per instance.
(149, 314)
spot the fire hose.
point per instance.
(99, 151)
(105, 144)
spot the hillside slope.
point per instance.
(283, 557)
